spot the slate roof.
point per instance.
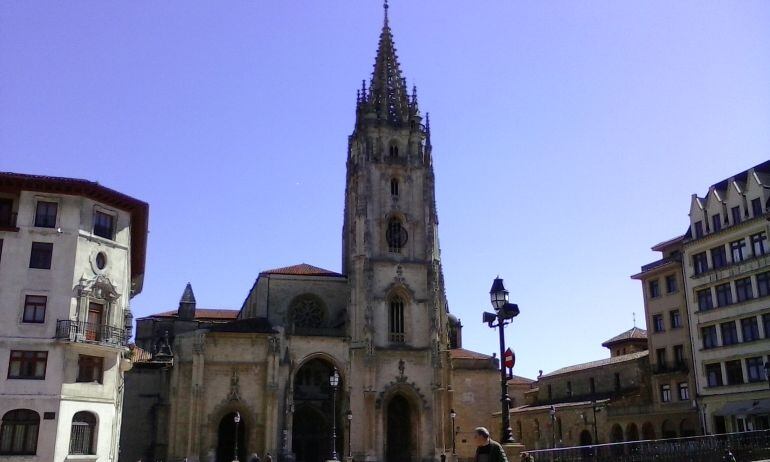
(634, 333)
(599, 363)
(303, 269)
(202, 314)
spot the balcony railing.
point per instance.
(87, 332)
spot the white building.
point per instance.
(72, 256)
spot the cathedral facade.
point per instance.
(381, 325)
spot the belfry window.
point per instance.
(393, 151)
(394, 187)
(396, 236)
(396, 321)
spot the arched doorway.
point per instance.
(648, 431)
(399, 442)
(226, 439)
(312, 423)
(616, 436)
(632, 432)
(586, 440)
(687, 428)
(667, 430)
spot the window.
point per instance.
(698, 229)
(709, 335)
(736, 250)
(704, 300)
(729, 333)
(736, 212)
(592, 385)
(716, 222)
(665, 393)
(660, 355)
(671, 285)
(393, 151)
(394, 187)
(734, 372)
(679, 355)
(755, 369)
(1, 250)
(657, 323)
(34, 308)
(724, 294)
(700, 263)
(45, 214)
(714, 375)
(90, 368)
(27, 365)
(718, 257)
(569, 388)
(743, 289)
(763, 284)
(397, 320)
(766, 323)
(6, 212)
(104, 224)
(18, 434)
(654, 289)
(550, 391)
(617, 381)
(756, 207)
(758, 246)
(41, 254)
(676, 319)
(396, 236)
(684, 391)
(750, 329)
(82, 433)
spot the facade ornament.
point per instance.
(401, 368)
(199, 344)
(274, 345)
(235, 387)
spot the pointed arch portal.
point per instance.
(399, 444)
(226, 439)
(312, 428)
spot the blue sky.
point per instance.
(568, 137)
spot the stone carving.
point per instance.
(307, 311)
(274, 345)
(235, 387)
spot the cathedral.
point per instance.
(362, 364)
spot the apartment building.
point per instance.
(726, 260)
(72, 256)
(672, 379)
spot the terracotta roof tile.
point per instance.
(599, 363)
(462, 353)
(303, 269)
(516, 379)
(634, 333)
(200, 313)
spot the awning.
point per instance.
(750, 407)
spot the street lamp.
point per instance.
(504, 313)
(237, 420)
(350, 429)
(334, 381)
(453, 415)
(552, 413)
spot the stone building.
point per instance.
(604, 401)
(671, 364)
(72, 256)
(381, 323)
(726, 260)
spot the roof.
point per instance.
(599, 363)
(634, 333)
(519, 380)
(303, 269)
(249, 325)
(462, 353)
(201, 313)
(139, 210)
(660, 246)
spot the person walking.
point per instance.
(487, 449)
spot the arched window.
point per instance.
(393, 151)
(396, 235)
(394, 187)
(82, 434)
(396, 320)
(18, 434)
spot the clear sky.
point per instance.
(568, 137)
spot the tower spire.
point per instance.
(388, 90)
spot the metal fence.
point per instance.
(747, 446)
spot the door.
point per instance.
(94, 322)
(399, 431)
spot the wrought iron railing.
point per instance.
(88, 332)
(747, 446)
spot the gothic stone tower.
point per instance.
(399, 367)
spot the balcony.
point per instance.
(90, 333)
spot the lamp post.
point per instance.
(237, 420)
(504, 313)
(767, 372)
(350, 429)
(453, 415)
(334, 381)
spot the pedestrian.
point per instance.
(254, 457)
(729, 457)
(268, 457)
(487, 449)
(526, 457)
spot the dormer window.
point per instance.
(716, 222)
(394, 187)
(698, 229)
(756, 207)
